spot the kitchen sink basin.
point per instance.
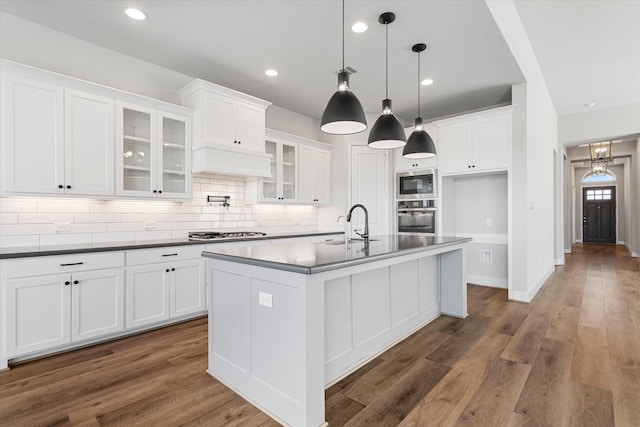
(341, 242)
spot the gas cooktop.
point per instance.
(211, 235)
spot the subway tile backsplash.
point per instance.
(32, 221)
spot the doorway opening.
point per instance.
(599, 214)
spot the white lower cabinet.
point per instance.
(187, 288)
(162, 291)
(147, 298)
(49, 311)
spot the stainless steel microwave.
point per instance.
(417, 184)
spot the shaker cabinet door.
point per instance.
(89, 144)
(97, 303)
(147, 295)
(38, 313)
(33, 148)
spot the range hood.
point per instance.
(228, 131)
(219, 159)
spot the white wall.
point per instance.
(535, 137)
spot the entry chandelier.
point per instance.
(601, 151)
(387, 132)
(419, 145)
(344, 114)
(598, 168)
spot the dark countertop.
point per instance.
(309, 258)
(33, 251)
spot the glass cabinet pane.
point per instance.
(173, 155)
(288, 172)
(137, 151)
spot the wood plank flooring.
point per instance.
(570, 358)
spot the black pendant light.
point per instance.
(419, 145)
(387, 132)
(344, 114)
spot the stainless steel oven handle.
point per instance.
(417, 210)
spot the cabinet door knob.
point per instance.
(159, 191)
(167, 270)
(67, 283)
(155, 191)
(75, 282)
(173, 269)
(68, 186)
(474, 166)
(60, 186)
(239, 142)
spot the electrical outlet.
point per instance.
(265, 299)
(488, 222)
(150, 225)
(62, 227)
(486, 257)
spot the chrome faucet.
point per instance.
(364, 235)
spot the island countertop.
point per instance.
(310, 258)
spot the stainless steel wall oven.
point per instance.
(416, 216)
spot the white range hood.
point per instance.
(228, 131)
(220, 159)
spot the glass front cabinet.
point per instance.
(282, 186)
(154, 153)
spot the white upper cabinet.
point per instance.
(478, 142)
(314, 176)
(56, 141)
(89, 144)
(404, 165)
(67, 137)
(229, 130)
(300, 171)
(153, 153)
(283, 186)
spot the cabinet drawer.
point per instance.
(168, 254)
(37, 266)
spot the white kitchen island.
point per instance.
(285, 321)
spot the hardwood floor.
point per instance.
(570, 358)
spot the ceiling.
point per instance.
(587, 50)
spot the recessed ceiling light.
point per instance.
(136, 14)
(271, 72)
(426, 82)
(591, 104)
(359, 27)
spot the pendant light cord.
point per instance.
(419, 85)
(386, 59)
(342, 35)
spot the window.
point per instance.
(604, 194)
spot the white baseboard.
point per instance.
(491, 282)
(567, 251)
(560, 261)
(635, 254)
(530, 295)
(578, 241)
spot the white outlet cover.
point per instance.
(486, 257)
(265, 299)
(150, 225)
(62, 227)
